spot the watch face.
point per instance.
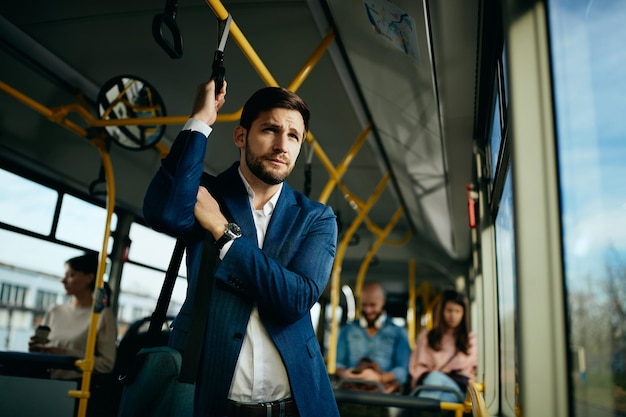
(233, 229)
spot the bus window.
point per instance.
(505, 264)
(82, 223)
(589, 89)
(495, 140)
(26, 204)
(143, 275)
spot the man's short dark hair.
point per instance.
(271, 98)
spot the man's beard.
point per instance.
(255, 163)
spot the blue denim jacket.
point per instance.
(389, 347)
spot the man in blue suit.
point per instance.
(276, 247)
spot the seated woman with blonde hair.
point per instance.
(445, 356)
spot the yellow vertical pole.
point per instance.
(86, 364)
(410, 311)
(336, 273)
(370, 254)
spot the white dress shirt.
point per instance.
(260, 375)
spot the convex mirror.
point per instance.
(130, 97)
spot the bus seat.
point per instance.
(136, 338)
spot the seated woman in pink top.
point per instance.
(446, 355)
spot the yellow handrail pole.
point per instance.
(359, 204)
(378, 231)
(410, 312)
(360, 278)
(458, 408)
(430, 306)
(323, 158)
(86, 364)
(40, 108)
(368, 222)
(59, 114)
(336, 272)
(312, 61)
(342, 167)
(162, 149)
(221, 12)
(161, 120)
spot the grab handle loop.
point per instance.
(173, 48)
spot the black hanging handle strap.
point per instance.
(218, 70)
(199, 312)
(160, 312)
(167, 19)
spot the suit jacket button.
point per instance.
(238, 336)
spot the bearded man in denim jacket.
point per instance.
(373, 339)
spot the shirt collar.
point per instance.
(268, 208)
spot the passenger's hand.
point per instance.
(33, 344)
(369, 374)
(208, 213)
(206, 104)
(52, 350)
(36, 346)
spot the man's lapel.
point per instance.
(280, 230)
(234, 201)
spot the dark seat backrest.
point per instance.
(134, 340)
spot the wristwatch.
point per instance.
(232, 232)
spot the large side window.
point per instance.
(588, 61)
(40, 229)
(505, 262)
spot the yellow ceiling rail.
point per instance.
(221, 12)
(358, 205)
(360, 279)
(378, 231)
(60, 114)
(40, 108)
(336, 272)
(335, 173)
(313, 60)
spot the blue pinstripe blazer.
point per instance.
(285, 278)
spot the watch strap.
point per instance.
(231, 232)
(219, 243)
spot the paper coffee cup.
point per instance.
(41, 334)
